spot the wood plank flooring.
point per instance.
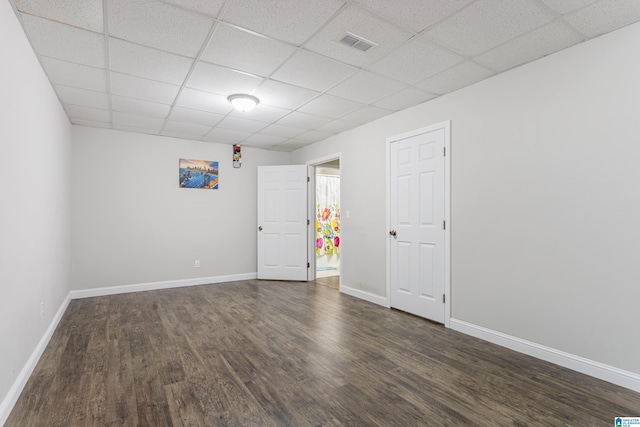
(262, 353)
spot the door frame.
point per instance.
(311, 214)
(446, 125)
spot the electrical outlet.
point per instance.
(197, 264)
(41, 308)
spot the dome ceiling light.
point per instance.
(243, 102)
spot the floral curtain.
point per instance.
(327, 215)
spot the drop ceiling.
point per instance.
(166, 67)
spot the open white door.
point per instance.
(417, 223)
(311, 223)
(282, 222)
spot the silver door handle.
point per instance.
(394, 234)
(260, 228)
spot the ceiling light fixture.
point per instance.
(243, 102)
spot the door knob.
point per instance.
(260, 228)
(393, 233)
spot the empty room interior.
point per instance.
(427, 215)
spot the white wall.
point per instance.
(132, 224)
(545, 199)
(34, 202)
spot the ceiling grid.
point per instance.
(166, 67)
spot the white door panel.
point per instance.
(417, 213)
(282, 222)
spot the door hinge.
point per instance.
(444, 298)
(444, 151)
(308, 222)
(444, 225)
(308, 179)
(308, 265)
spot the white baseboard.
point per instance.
(152, 286)
(595, 369)
(367, 296)
(14, 392)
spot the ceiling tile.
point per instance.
(150, 123)
(404, 98)
(282, 131)
(604, 16)
(364, 24)
(283, 95)
(159, 25)
(263, 113)
(303, 120)
(220, 80)
(564, 6)
(415, 60)
(314, 136)
(290, 145)
(245, 125)
(82, 97)
(264, 146)
(198, 117)
(91, 123)
(208, 7)
(186, 128)
(140, 61)
(263, 140)
(138, 107)
(282, 148)
(488, 23)
(337, 126)
(86, 113)
(204, 101)
(312, 71)
(366, 87)
(293, 21)
(242, 50)
(181, 135)
(534, 45)
(415, 14)
(76, 75)
(330, 106)
(366, 114)
(218, 140)
(64, 42)
(227, 135)
(85, 14)
(147, 90)
(456, 77)
(136, 129)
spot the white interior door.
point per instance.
(282, 222)
(417, 214)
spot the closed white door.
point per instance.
(282, 222)
(417, 214)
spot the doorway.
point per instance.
(327, 221)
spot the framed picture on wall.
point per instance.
(198, 174)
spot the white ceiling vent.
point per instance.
(357, 42)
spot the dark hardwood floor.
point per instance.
(330, 281)
(291, 354)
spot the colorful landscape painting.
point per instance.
(198, 174)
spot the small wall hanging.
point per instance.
(237, 156)
(198, 174)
